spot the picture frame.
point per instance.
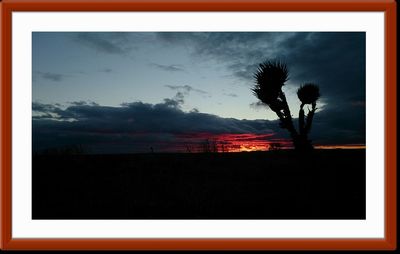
(8, 242)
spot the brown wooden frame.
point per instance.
(387, 6)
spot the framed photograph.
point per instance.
(198, 125)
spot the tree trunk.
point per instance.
(302, 143)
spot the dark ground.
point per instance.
(329, 184)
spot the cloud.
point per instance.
(240, 52)
(258, 105)
(133, 127)
(82, 103)
(109, 43)
(170, 68)
(230, 94)
(311, 56)
(106, 70)
(186, 89)
(56, 77)
(175, 102)
(136, 126)
(333, 60)
(339, 125)
(326, 57)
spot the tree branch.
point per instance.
(287, 115)
(310, 116)
(301, 120)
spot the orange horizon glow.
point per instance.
(228, 142)
(232, 143)
(349, 146)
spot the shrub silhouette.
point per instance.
(209, 147)
(270, 77)
(274, 146)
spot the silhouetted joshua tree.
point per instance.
(270, 77)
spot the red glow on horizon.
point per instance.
(248, 142)
(221, 143)
(345, 146)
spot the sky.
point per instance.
(117, 92)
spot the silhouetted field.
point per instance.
(328, 184)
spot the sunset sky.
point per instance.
(171, 92)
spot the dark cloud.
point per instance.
(339, 125)
(240, 52)
(110, 43)
(186, 89)
(106, 70)
(135, 125)
(170, 68)
(82, 103)
(175, 102)
(230, 94)
(333, 60)
(56, 77)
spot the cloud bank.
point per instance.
(137, 126)
(132, 127)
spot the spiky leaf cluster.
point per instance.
(270, 77)
(308, 93)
